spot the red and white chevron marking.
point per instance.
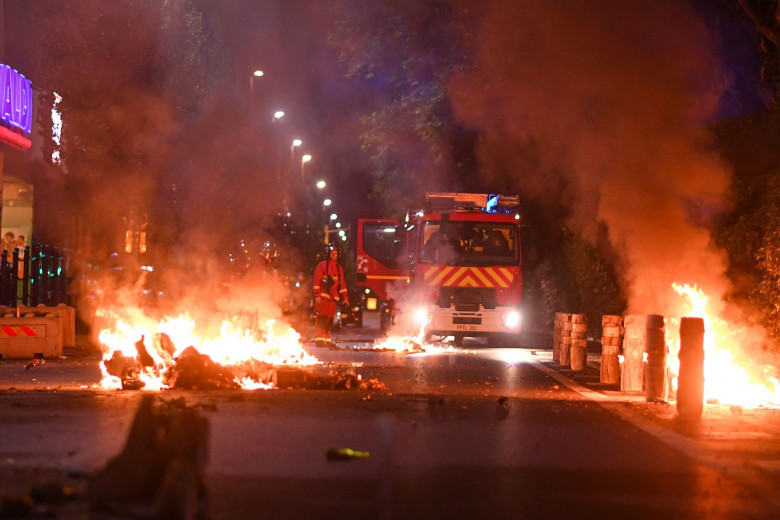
(453, 276)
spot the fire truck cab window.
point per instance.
(379, 242)
(469, 243)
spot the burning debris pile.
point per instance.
(239, 359)
(188, 370)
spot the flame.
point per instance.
(408, 334)
(234, 342)
(730, 377)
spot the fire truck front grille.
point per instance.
(467, 298)
(466, 321)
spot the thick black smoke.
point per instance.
(602, 107)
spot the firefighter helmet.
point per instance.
(332, 247)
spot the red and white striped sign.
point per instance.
(18, 332)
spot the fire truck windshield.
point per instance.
(469, 243)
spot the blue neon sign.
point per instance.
(16, 99)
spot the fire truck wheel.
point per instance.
(458, 340)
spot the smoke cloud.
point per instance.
(601, 108)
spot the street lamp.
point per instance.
(256, 74)
(327, 202)
(306, 158)
(295, 144)
(320, 185)
(278, 115)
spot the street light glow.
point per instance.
(333, 216)
(320, 184)
(279, 114)
(297, 142)
(304, 159)
(258, 73)
(327, 202)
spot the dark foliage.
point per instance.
(408, 51)
(749, 233)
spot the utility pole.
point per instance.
(327, 230)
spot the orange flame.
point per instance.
(730, 377)
(270, 342)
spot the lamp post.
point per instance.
(256, 74)
(306, 158)
(326, 228)
(295, 143)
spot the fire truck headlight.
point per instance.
(421, 316)
(511, 319)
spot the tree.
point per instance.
(765, 15)
(408, 51)
(749, 231)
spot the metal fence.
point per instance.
(33, 276)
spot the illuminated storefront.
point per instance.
(16, 108)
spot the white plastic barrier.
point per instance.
(67, 315)
(26, 337)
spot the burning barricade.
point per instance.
(697, 359)
(239, 357)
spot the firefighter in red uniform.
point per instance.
(329, 285)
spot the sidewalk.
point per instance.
(742, 444)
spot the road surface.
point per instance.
(478, 432)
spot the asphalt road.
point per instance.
(478, 432)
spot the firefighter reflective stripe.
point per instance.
(452, 276)
(19, 332)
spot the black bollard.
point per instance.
(690, 384)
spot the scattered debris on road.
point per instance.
(345, 454)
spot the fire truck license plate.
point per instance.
(466, 327)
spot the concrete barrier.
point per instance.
(67, 315)
(24, 337)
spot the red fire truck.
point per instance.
(456, 262)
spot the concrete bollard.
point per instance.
(561, 318)
(578, 353)
(565, 347)
(611, 338)
(632, 377)
(656, 382)
(690, 383)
